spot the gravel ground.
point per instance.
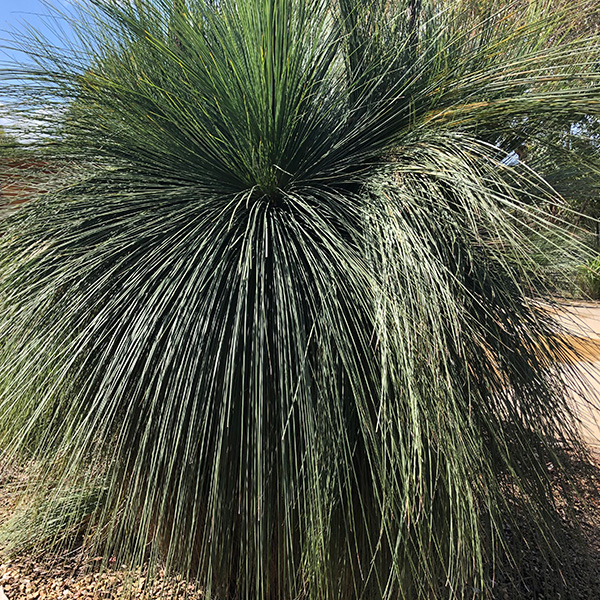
(574, 576)
(26, 578)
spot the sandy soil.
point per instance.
(582, 320)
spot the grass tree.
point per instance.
(278, 324)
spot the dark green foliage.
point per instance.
(281, 310)
(588, 278)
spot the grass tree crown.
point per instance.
(276, 322)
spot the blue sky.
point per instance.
(15, 17)
(14, 11)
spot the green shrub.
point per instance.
(284, 308)
(588, 278)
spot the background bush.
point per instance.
(588, 278)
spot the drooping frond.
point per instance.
(277, 313)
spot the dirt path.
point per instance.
(583, 322)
